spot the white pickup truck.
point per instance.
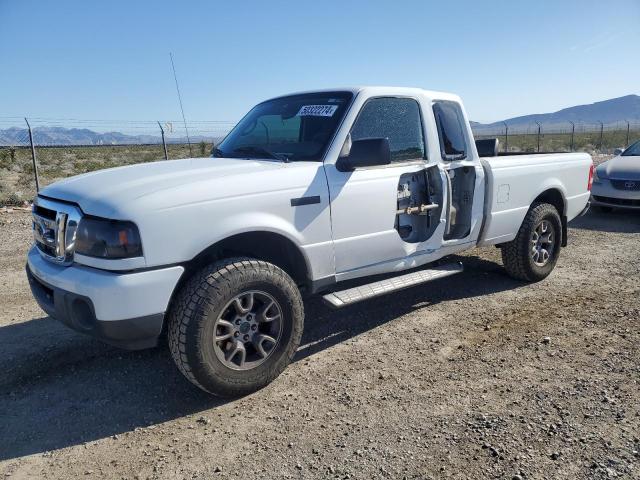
(307, 191)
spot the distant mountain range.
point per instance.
(608, 112)
(82, 136)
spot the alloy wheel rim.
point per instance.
(543, 243)
(247, 330)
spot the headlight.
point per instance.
(102, 238)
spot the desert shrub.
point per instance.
(15, 198)
(5, 158)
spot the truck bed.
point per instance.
(513, 182)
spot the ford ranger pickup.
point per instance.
(372, 185)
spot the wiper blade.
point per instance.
(261, 151)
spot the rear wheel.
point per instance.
(533, 254)
(235, 326)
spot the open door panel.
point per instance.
(461, 182)
(420, 203)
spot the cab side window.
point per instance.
(450, 123)
(397, 119)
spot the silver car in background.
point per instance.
(616, 182)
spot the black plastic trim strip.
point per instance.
(134, 270)
(298, 202)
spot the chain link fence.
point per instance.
(561, 137)
(65, 147)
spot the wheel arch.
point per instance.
(264, 245)
(554, 196)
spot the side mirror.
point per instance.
(367, 152)
(618, 151)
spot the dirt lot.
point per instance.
(474, 376)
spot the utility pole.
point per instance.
(539, 129)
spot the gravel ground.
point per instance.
(473, 376)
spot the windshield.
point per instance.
(633, 150)
(294, 128)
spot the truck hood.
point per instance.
(109, 192)
(621, 168)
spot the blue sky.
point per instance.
(110, 59)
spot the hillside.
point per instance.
(607, 111)
(71, 136)
(82, 136)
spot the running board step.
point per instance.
(363, 292)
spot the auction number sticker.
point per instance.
(317, 110)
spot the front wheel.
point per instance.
(533, 254)
(235, 326)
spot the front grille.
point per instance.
(628, 185)
(41, 220)
(46, 231)
(623, 202)
(54, 229)
(44, 212)
(46, 249)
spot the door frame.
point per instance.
(396, 254)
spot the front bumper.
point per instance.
(123, 309)
(605, 195)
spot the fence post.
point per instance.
(539, 128)
(601, 132)
(627, 144)
(33, 157)
(573, 132)
(164, 144)
(506, 137)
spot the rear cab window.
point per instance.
(451, 130)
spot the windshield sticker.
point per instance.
(317, 111)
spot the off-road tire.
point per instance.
(198, 304)
(516, 255)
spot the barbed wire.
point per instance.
(555, 127)
(77, 132)
(48, 131)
